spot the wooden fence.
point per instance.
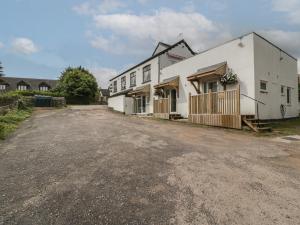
(161, 108)
(216, 109)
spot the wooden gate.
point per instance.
(216, 109)
(161, 108)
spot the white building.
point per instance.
(132, 91)
(265, 73)
(264, 83)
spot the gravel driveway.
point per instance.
(85, 165)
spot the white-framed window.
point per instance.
(115, 86)
(123, 83)
(44, 88)
(147, 74)
(263, 85)
(210, 85)
(132, 79)
(22, 87)
(288, 95)
(2, 87)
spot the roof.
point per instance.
(141, 90)
(156, 55)
(33, 82)
(172, 81)
(105, 92)
(161, 43)
(213, 69)
(121, 93)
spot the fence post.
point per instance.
(238, 100)
(190, 105)
(209, 102)
(169, 103)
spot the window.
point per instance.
(282, 90)
(115, 86)
(132, 79)
(44, 88)
(288, 95)
(123, 83)
(263, 85)
(2, 86)
(213, 86)
(22, 87)
(147, 74)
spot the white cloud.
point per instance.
(137, 31)
(287, 40)
(103, 75)
(290, 7)
(92, 7)
(24, 46)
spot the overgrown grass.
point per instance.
(287, 127)
(10, 121)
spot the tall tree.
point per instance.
(78, 85)
(1, 70)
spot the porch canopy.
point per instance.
(169, 83)
(139, 91)
(172, 82)
(209, 72)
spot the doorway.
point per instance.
(173, 99)
(141, 104)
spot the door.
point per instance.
(141, 104)
(173, 101)
(129, 105)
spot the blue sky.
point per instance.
(39, 38)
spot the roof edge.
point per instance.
(156, 55)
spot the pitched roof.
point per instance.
(32, 82)
(161, 43)
(156, 55)
(105, 92)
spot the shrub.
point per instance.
(78, 85)
(10, 121)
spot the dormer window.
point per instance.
(22, 86)
(2, 87)
(44, 87)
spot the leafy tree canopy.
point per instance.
(78, 85)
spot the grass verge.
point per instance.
(287, 127)
(10, 121)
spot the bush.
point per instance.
(34, 92)
(78, 86)
(10, 121)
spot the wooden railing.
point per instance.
(161, 108)
(216, 108)
(223, 102)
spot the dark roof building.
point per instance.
(104, 92)
(18, 83)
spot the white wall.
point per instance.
(269, 67)
(156, 63)
(117, 103)
(240, 59)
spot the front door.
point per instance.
(173, 101)
(141, 104)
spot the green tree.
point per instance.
(78, 85)
(1, 70)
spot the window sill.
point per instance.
(144, 82)
(264, 92)
(132, 85)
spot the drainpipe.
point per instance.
(158, 69)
